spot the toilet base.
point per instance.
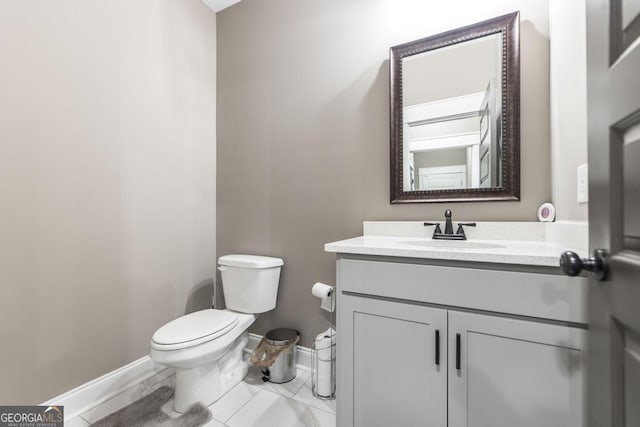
(209, 382)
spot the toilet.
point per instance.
(205, 347)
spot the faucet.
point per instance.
(448, 228)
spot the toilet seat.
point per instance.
(194, 329)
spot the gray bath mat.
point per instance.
(147, 412)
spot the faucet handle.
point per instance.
(437, 230)
(466, 224)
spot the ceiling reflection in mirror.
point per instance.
(451, 116)
(455, 114)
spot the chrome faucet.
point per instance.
(448, 228)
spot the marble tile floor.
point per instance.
(250, 403)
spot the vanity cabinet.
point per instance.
(396, 369)
(451, 356)
(513, 372)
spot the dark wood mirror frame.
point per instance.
(508, 26)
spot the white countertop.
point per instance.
(499, 251)
(542, 244)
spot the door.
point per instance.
(488, 143)
(443, 177)
(400, 378)
(505, 373)
(613, 94)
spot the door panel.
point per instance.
(630, 10)
(625, 25)
(631, 374)
(613, 95)
(388, 373)
(514, 373)
(631, 193)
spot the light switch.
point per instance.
(583, 183)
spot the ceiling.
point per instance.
(218, 5)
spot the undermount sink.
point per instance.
(453, 244)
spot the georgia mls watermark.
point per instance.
(31, 416)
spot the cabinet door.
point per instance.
(514, 373)
(388, 371)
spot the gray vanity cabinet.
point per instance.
(496, 367)
(514, 372)
(398, 379)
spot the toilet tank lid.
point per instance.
(250, 261)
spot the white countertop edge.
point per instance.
(540, 261)
(534, 253)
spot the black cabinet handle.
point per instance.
(458, 352)
(437, 347)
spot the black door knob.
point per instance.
(571, 264)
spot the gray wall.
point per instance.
(303, 130)
(107, 159)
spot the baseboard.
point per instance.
(99, 390)
(303, 353)
(94, 392)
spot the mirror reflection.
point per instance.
(452, 116)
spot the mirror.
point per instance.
(455, 107)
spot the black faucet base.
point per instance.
(443, 236)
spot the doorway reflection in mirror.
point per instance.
(452, 104)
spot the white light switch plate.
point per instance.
(583, 183)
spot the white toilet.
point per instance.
(206, 347)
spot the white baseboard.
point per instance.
(303, 353)
(99, 390)
(94, 392)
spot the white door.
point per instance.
(396, 354)
(514, 373)
(488, 145)
(443, 177)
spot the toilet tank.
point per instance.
(250, 282)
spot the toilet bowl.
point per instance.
(195, 345)
(205, 347)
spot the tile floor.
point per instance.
(251, 403)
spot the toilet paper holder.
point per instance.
(327, 296)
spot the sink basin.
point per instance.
(453, 244)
